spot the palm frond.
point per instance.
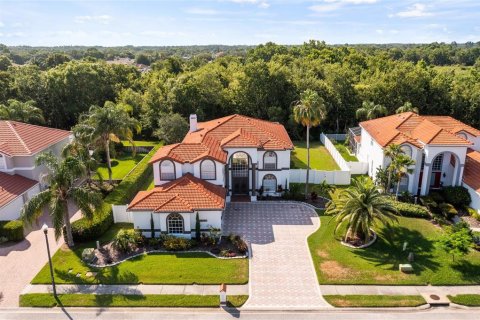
(32, 210)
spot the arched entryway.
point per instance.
(240, 168)
(445, 169)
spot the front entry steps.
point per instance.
(240, 198)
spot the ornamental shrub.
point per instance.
(172, 243)
(457, 196)
(12, 230)
(127, 240)
(448, 211)
(410, 209)
(473, 213)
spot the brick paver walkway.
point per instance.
(281, 269)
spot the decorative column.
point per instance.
(254, 180)
(459, 178)
(427, 173)
(227, 178)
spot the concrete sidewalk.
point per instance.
(397, 290)
(140, 289)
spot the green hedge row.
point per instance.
(12, 230)
(89, 230)
(410, 210)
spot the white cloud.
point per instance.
(414, 11)
(379, 31)
(332, 5)
(202, 11)
(352, 1)
(1, 24)
(261, 3)
(103, 19)
(156, 33)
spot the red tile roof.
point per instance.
(12, 186)
(235, 131)
(417, 130)
(471, 173)
(186, 194)
(21, 139)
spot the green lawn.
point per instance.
(121, 165)
(320, 158)
(374, 301)
(378, 264)
(470, 300)
(117, 300)
(345, 153)
(162, 268)
(141, 143)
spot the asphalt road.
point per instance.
(215, 314)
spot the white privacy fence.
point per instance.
(336, 136)
(355, 167)
(318, 176)
(120, 214)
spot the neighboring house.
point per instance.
(20, 144)
(217, 159)
(445, 150)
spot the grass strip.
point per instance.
(470, 300)
(373, 301)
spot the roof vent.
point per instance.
(193, 122)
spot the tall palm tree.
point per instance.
(407, 107)
(111, 123)
(61, 177)
(310, 110)
(370, 110)
(21, 111)
(391, 151)
(360, 207)
(402, 164)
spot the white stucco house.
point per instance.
(20, 144)
(445, 150)
(233, 157)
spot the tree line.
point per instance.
(262, 82)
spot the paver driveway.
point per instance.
(281, 268)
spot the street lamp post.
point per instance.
(45, 231)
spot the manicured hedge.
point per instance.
(88, 230)
(410, 210)
(457, 196)
(12, 230)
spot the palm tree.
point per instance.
(402, 164)
(309, 111)
(21, 111)
(111, 123)
(370, 110)
(61, 177)
(407, 107)
(391, 151)
(360, 207)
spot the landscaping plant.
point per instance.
(457, 240)
(127, 240)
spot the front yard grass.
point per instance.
(344, 152)
(161, 268)
(469, 300)
(120, 166)
(320, 158)
(47, 300)
(374, 301)
(378, 264)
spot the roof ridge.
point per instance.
(228, 118)
(196, 185)
(18, 136)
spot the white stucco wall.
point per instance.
(372, 153)
(220, 172)
(11, 211)
(475, 204)
(472, 139)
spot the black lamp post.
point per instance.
(45, 231)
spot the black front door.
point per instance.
(240, 163)
(240, 185)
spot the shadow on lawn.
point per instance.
(468, 271)
(108, 275)
(388, 250)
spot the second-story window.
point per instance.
(207, 170)
(167, 170)
(270, 160)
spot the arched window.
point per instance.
(240, 163)
(167, 170)
(175, 223)
(270, 160)
(207, 170)
(269, 183)
(437, 163)
(407, 150)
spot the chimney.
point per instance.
(193, 122)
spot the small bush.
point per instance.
(473, 213)
(127, 240)
(88, 254)
(410, 210)
(12, 230)
(154, 243)
(436, 196)
(429, 203)
(457, 196)
(172, 243)
(448, 211)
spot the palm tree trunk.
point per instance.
(308, 162)
(109, 163)
(68, 226)
(398, 189)
(389, 181)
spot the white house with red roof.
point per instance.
(445, 150)
(20, 144)
(234, 156)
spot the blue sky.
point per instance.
(164, 22)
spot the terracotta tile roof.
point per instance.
(185, 194)
(21, 139)
(233, 131)
(12, 186)
(471, 173)
(417, 130)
